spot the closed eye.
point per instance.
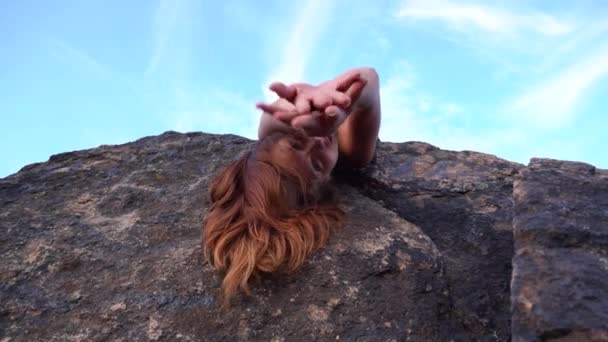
(298, 144)
(316, 164)
(295, 145)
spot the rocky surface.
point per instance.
(104, 244)
(463, 202)
(560, 268)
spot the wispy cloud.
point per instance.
(193, 106)
(301, 43)
(553, 103)
(399, 118)
(409, 113)
(76, 57)
(79, 59)
(484, 17)
(559, 59)
(503, 34)
(214, 110)
(164, 25)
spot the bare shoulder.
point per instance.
(358, 135)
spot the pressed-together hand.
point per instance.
(318, 110)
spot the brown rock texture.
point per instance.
(560, 267)
(463, 202)
(105, 244)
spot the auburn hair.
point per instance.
(267, 213)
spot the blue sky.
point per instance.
(517, 79)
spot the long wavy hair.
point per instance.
(267, 213)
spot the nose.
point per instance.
(318, 142)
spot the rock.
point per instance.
(560, 267)
(462, 201)
(104, 244)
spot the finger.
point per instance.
(334, 116)
(302, 86)
(284, 91)
(355, 90)
(285, 105)
(309, 123)
(321, 101)
(303, 104)
(339, 99)
(319, 123)
(333, 111)
(345, 83)
(268, 108)
(303, 121)
(279, 105)
(329, 121)
(285, 116)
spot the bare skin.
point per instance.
(343, 114)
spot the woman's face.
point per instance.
(317, 155)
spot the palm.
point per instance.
(319, 110)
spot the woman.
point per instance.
(271, 208)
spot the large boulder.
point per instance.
(104, 244)
(463, 202)
(560, 267)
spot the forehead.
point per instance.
(288, 158)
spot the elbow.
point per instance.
(359, 156)
(370, 75)
(358, 161)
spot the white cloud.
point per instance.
(409, 114)
(214, 110)
(504, 34)
(167, 18)
(558, 60)
(553, 103)
(399, 119)
(301, 43)
(486, 18)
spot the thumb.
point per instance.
(334, 115)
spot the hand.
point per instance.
(315, 123)
(342, 92)
(277, 107)
(318, 110)
(320, 123)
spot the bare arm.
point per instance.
(357, 127)
(358, 134)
